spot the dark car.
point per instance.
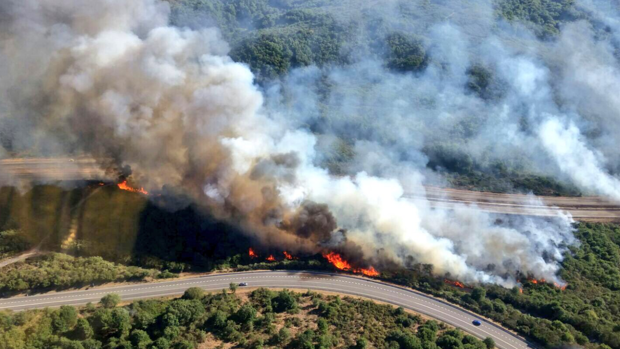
(243, 284)
(476, 323)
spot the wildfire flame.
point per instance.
(252, 254)
(124, 186)
(368, 272)
(455, 283)
(288, 255)
(542, 281)
(337, 261)
(271, 258)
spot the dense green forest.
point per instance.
(591, 301)
(586, 312)
(543, 16)
(262, 319)
(273, 36)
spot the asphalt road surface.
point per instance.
(587, 208)
(285, 279)
(61, 169)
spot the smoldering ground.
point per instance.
(118, 82)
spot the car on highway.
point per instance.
(476, 322)
(243, 284)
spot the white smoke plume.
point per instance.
(566, 144)
(112, 78)
(534, 82)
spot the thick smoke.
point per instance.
(568, 147)
(533, 85)
(112, 79)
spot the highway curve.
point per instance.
(285, 279)
(590, 208)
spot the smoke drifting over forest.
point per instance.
(115, 80)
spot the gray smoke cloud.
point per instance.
(548, 109)
(113, 79)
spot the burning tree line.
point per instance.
(336, 259)
(340, 263)
(333, 258)
(124, 186)
(270, 258)
(459, 284)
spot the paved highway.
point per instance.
(284, 279)
(60, 169)
(587, 208)
(595, 209)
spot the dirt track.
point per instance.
(581, 208)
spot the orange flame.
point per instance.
(542, 281)
(288, 255)
(124, 186)
(337, 261)
(455, 283)
(561, 287)
(271, 258)
(252, 253)
(368, 272)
